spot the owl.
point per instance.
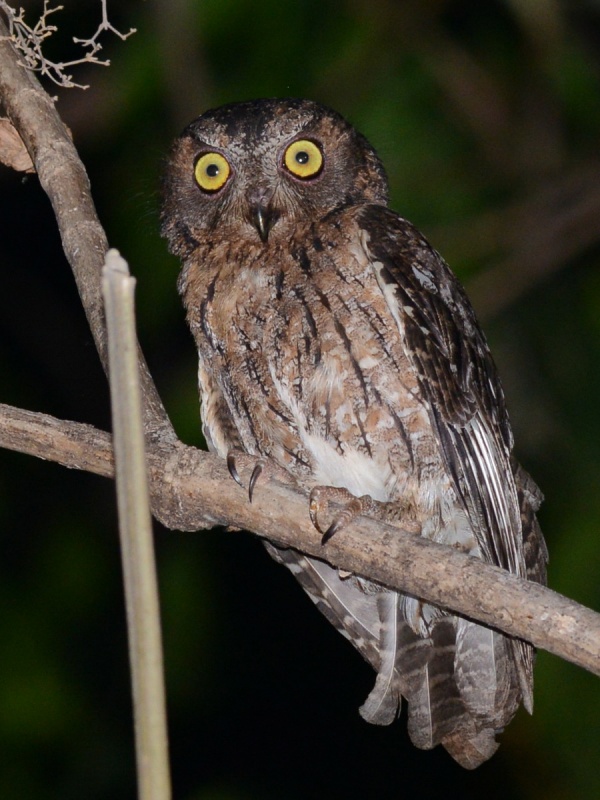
(336, 344)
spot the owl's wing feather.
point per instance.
(383, 703)
(218, 427)
(458, 379)
(347, 608)
(460, 385)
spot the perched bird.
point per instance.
(336, 343)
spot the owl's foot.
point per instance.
(257, 471)
(261, 466)
(351, 507)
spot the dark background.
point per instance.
(487, 116)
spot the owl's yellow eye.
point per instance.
(303, 159)
(211, 171)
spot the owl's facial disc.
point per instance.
(261, 170)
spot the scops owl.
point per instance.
(336, 343)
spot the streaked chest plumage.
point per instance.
(313, 367)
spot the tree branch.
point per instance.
(192, 490)
(65, 181)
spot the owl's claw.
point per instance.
(343, 518)
(256, 473)
(231, 466)
(319, 500)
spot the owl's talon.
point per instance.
(346, 515)
(256, 473)
(331, 530)
(313, 508)
(319, 499)
(231, 466)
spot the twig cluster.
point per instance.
(29, 41)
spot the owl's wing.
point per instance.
(457, 377)
(460, 384)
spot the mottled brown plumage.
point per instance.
(336, 342)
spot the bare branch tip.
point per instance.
(115, 263)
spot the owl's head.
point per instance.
(257, 169)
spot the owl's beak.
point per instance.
(263, 218)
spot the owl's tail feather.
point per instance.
(460, 682)
(434, 703)
(461, 686)
(382, 706)
(485, 673)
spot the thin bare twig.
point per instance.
(29, 41)
(135, 527)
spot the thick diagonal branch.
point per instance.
(64, 179)
(192, 490)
